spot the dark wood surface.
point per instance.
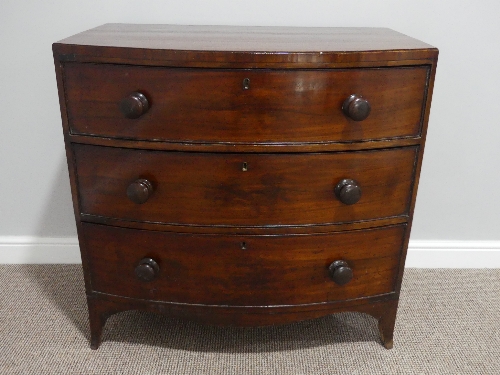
(212, 189)
(268, 229)
(279, 113)
(249, 47)
(211, 106)
(383, 308)
(244, 38)
(243, 270)
(245, 147)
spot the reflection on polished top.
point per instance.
(199, 44)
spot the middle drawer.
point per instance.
(247, 190)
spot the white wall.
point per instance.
(457, 196)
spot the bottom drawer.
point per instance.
(257, 270)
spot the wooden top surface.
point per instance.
(251, 39)
(243, 47)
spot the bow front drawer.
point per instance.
(245, 106)
(243, 270)
(244, 189)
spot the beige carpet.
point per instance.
(448, 323)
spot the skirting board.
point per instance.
(421, 254)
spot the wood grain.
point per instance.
(268, 229)
(246, 38)
(267, 270)
(254, 147)
(212, 189)
(249, 47)
(210, 106)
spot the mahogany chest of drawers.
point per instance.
(244, 176)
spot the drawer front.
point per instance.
(243, 189)
(220, 270)
(211, 105)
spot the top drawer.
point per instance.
(244, 106)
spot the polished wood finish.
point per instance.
(277, 189)
(210, 105)
(382, 308)
(244, 47)
(215, 270)
(245, 147)
(268, 229)
(244, 175)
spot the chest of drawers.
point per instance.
(243, 176)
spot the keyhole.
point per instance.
(246, 83)
(244, 167)
(243, 245)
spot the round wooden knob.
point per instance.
(356, 108)
(340, 272)
(134, 105)
(139, 191)
(147, 269)
(348, 191)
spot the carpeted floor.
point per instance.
(448, 323)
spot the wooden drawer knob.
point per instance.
(340, 272)
(134, 105)
(139, 191)
(356, 108)
(348, 191)
(147, 269)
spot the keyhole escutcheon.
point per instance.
(246, 84)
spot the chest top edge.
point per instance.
(316, 46)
